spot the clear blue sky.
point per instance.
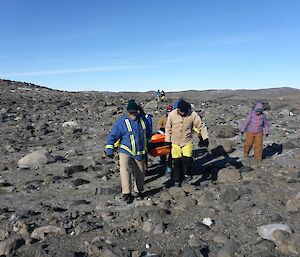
(139, 45)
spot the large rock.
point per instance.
(10, 244)
(36, 159)
(266, 231)
(221, 147)
(227, 175)
(225, 131)
(228, 250)
(286, 243)
(41, 232)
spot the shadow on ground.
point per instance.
(209, 164)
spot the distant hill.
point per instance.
(9, 84)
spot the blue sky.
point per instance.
(139, 45)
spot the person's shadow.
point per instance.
(208, 167)
(271, 150)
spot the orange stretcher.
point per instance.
(158, 146)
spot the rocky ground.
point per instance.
(63, 197)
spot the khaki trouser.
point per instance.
(257, 140)
(128, 166)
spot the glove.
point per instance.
(203, 143)
(243, 138)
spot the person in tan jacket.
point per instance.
(179, 129)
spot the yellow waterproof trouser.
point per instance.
(179, 152)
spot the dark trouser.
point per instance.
(163, 159)
(182, 167)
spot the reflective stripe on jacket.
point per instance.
(133, 136)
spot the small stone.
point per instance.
(220, 239)
(159, 229)
(79, 181)
(293, 204)
(195, 242)
(147, 226)
(229, 196)
(176, 192)
(93, 250)
(3, 234)
(72, 168)
(20, 227)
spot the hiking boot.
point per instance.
(187, 179)
(139, 196)
(126, 197)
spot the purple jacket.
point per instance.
(255, 123)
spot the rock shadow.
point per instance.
(154, 172)
(208, 168)
(271, 150)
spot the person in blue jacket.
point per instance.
(133, 132)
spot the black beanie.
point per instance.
(132, 106)
(183, 106)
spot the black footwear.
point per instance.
(139, 196)
(187, 179)
(177, 184)
(126, 197)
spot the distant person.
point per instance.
(132, 130)
(162, 95)
(256, 123)
(180, 124)
(158, 95)
(161, 124)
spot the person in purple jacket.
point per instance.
(256, 123)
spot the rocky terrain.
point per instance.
(59, 196)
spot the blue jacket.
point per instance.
(150, 122)
(133, 136)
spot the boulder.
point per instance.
(225, 131)
(227, 175)
(286, 243)
(221, 147)
(266, 231)
(10, 244)
(228, 250)
(41, 232)
(36, 159)
(3, 234)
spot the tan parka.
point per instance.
(179, 129)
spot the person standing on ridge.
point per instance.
(256, 123)
(132, 130)
(162, 95)
(179, 127)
